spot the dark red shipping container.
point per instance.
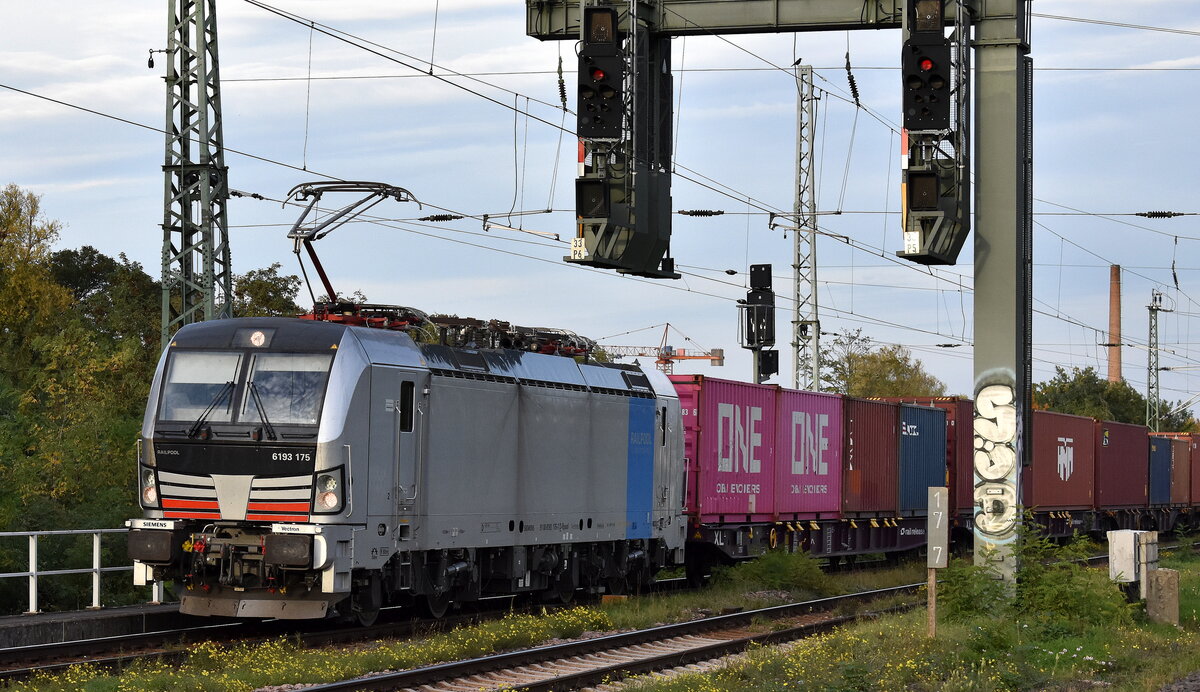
(960, 446)
(1063, 473)
(871, 457)
(1122, 465)
(1192, 441)
(1181, 471)
(1193, 446)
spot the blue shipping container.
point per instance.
(922, 455)
(1160, 471)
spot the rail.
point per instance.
(33, 574)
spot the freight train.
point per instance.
(302, 468)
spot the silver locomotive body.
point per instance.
(290, 467)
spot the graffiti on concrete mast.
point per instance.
(996, 463)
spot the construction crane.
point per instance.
(665, 355)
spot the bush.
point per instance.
(779, 570)
(1054, 585)
(968, 591)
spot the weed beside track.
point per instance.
(776, 579)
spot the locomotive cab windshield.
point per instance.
(240, 389)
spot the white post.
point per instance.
(95, 571)
(33, 575)
(937, 543)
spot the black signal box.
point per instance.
(760, 276)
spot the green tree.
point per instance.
(266, 293)
(839, 357)
(856, 367)
(31, 301)
(116, 296)
(1083, 392)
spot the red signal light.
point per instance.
(598, 74)
(926, 64)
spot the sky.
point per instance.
(1114, 113)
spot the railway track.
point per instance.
(583, 663)
(171, 645)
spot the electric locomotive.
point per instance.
(299, 468)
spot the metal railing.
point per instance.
(33, 574)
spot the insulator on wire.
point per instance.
(562, 86)
(440, 217)
(853, 83)
(1159, 214)
(700, 212)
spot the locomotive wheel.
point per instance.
(616, 585)
(435, 605)
(563, 590)
(365, 618)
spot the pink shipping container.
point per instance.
(1181, 471)
(729, 439)
(960, 446)
(1063, 474)
(1122, 465)
(871, 457)
(808, 472)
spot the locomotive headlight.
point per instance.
(328, 495)
(327, 501)
(149, 489)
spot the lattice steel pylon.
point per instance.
(197, 283)
(806, 325)
(1153, 393)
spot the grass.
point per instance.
(1071, 638)
(776, 579)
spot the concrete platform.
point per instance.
(47, 628)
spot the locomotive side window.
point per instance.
(291, 387)
(406, 406)
(662, 424)
(196, 380)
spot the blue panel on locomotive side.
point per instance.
(639, 497)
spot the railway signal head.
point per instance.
(768, 364)
(927, 94)
(601, 76)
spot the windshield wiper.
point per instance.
(225, 391)
(262, 413)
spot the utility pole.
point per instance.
(806, 325)
(1153, 394)
(197, 283)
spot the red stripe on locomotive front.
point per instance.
(279, 506)
(191, 515)
(190, 504)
